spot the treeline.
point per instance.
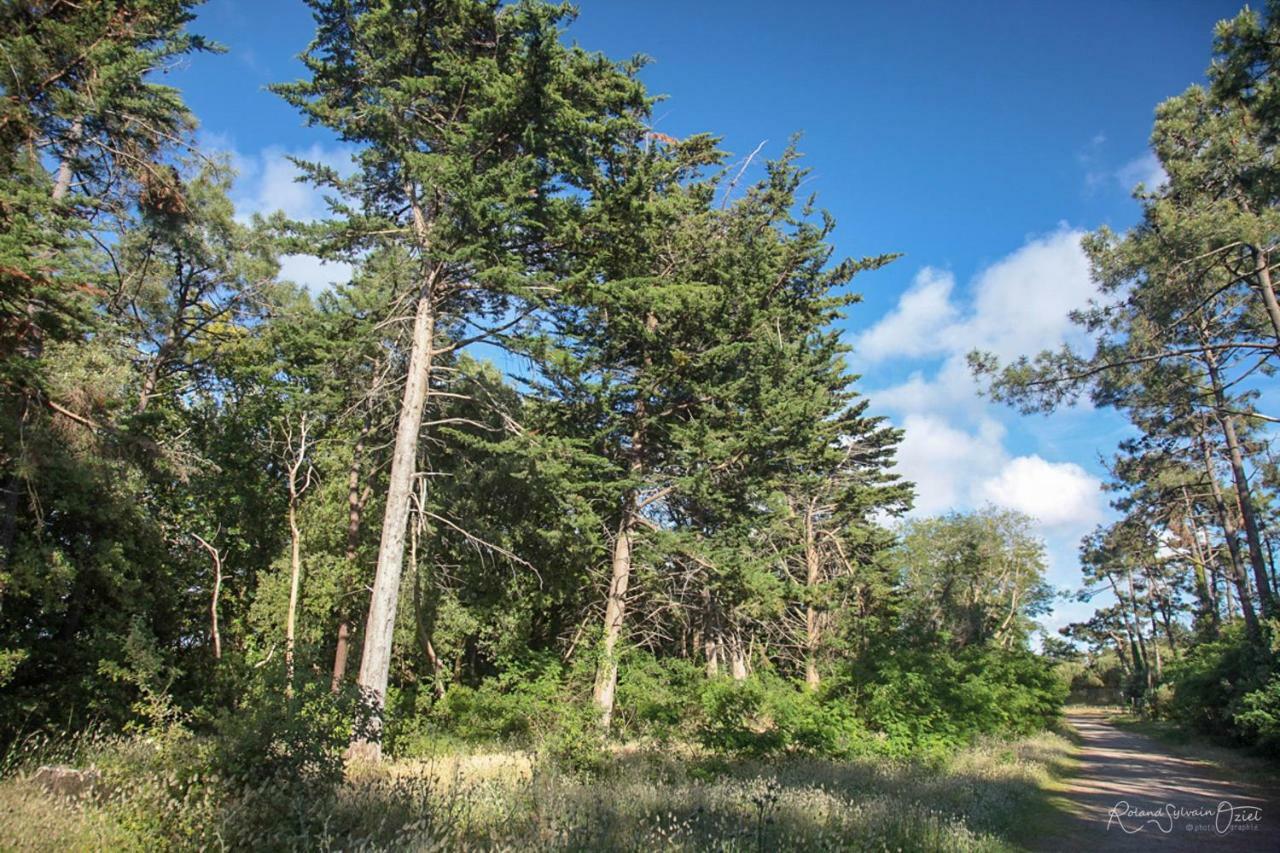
(665, 515)
(1186, 335)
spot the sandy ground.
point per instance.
(1119, 769)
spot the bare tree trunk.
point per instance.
(811, 638)
(375, 664)
(340, 655)
(737, 656)
(615, 610)
(710, 635)
(217, 590)
(62, 182)
(295, 544)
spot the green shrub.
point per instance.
(1259, 716)
(932, 698)
(533, 704)
(658, 698)
(767, 714)
(733, 717)
(1224, 688)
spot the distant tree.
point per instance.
(973, 579)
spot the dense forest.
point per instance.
(574, 460)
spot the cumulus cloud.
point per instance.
(1019, 304)
(954, 447)
(908, 329)
(945, 461)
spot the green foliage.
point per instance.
(280, 738)
(1228, 688)
(533, 704)
(657, 697)
(934, 697)
(765, 714)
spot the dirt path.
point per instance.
(1130, 790)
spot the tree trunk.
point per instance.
(1233, 543)
(1206, 616)
(340, 652)
(620, 574)
(737, 656)
(295, 580)
(614, 614)
(375, 664)
(811, 638)
(216, 557)
(710, 634)
(355, 511)
(1262, 268)
(1241, 481)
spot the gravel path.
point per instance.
(1129, 791)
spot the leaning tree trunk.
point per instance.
(1206, 616)
(1262, 269)
(1235, 562)
(375, 665)
(1241, 481)
(615, 607)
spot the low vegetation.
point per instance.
(159, 792)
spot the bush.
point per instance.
(766, 714)
(1259, 717)
(658, 698)
(1228, 687)
(927, 699)
(534, 704)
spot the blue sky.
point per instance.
(979, 139)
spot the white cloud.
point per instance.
(955, 446)
(1056, 493)
(945, 461)
(267, 181)
(907, 329)
(312, 273)
(1145, 170)
(1019, 305)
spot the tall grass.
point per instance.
(152, 797)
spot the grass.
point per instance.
(990, 797)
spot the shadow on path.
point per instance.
(1173, 804)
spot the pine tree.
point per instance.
(473, 120)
